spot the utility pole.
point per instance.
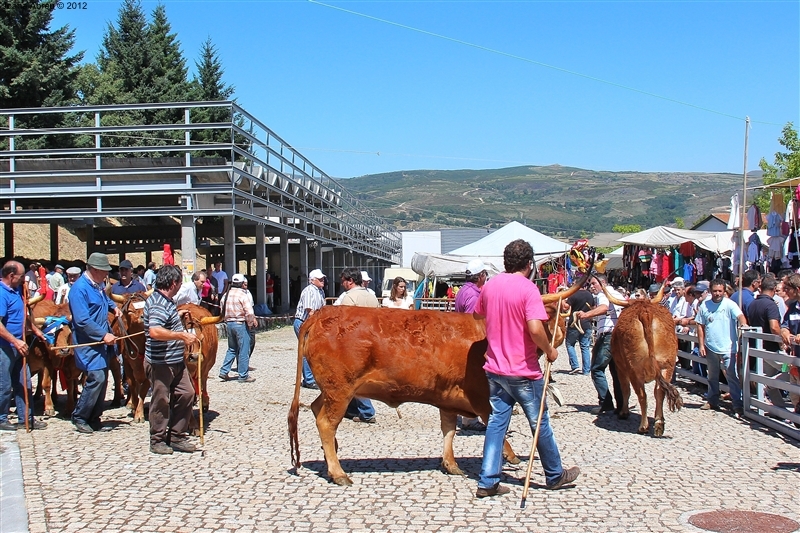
(742, 225)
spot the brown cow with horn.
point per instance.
(48, 358)
(644, 347)
(398, 356)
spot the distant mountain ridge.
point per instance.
(563, 201)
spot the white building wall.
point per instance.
(422, 242)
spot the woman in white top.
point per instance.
(399, 297)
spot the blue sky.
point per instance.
(344, 88)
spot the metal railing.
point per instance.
(174, 159)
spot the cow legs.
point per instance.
(448, 424)
(660, 393)
(624, 380)
(48, 389)
(113, 365)
(328, 415)
(641, 393)
(138, 400)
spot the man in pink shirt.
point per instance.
(513, 309)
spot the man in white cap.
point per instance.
(90, 306)
(465, 302)
(62, 296)
(57, 280)
(675, 300)
(365, 279)
(312, 299)
(237, 307)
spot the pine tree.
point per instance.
(207, 86)
(166, 62)
(125, 50)
(36, 68)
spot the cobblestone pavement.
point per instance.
(242, 481)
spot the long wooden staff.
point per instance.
(200, 393)
(25, 357)
(541, 411)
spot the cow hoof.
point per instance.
(49, 412)
(139, 420)
(658, 429)
(205, 407)
(343, 481)
(511, 460)
(452, 469)
(643, 431)
(623, 416)
(129, 405)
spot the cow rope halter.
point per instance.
(189, 321)
(129, 348)
(539, 418)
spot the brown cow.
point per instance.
(132, 349)
(645, 348)
(398, 356)
(50, 358)
(203, 324)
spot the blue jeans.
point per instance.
(715, 362)
(734, 382)
(11, 384)
(90, 403)
(504, 392)
(238, 346)
(308, 377)
(360, 407)
(601, 358)
(585, 341)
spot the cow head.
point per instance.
(625, 303)
(195, 324)
(132, 307)
(61, 332)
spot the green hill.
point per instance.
(563, 201)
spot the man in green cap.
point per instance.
(90, 306)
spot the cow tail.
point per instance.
(674, 400)
(294, 410)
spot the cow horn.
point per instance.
(39, 321)
(660, 295)
(211, 320)
(613, 299)
(563, 295)
(33, 300)
(117, 298)
(149, 293)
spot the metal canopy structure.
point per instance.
(189, 160)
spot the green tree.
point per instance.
(626, 228)
(37, 67)
(208, 86)
(786, 166)
(679, 223)
(125, 49)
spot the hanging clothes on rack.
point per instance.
(754, 220)
(734, 221)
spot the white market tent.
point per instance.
(490, 250)
(663, 236)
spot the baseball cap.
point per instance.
(365, 276)
(238, 278)
(59, 266)
(702, 286)
(475, 266)
(677, 282)
(654, 288)
(316, 274)
(99, 261)
(73, 270)
(125, 264)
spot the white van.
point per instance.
(411, 277)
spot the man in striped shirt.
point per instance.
(312, 299)
(165, 339)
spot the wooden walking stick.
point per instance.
(541, 411)
(200, 393)
(25, 357)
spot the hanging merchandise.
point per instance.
(733, 220)
(774, 221)
(754, 220)
(753, 251)
(645, 259)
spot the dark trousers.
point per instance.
(170, 403)
(90, 403)
(601, 358)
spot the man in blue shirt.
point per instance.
(90, 306)
(750, 283)
(13, 347)
(128, 283)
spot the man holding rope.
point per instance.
(165, 340)
(90, 306)
(14, 379)
(514, 312)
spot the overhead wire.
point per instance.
(535, 62)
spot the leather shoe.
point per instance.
(80, 427)
(183, 445)
(497, 490)
(567, 476)
(7, 426)
(161, 448)
(248, 379)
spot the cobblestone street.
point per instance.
(242, 481)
